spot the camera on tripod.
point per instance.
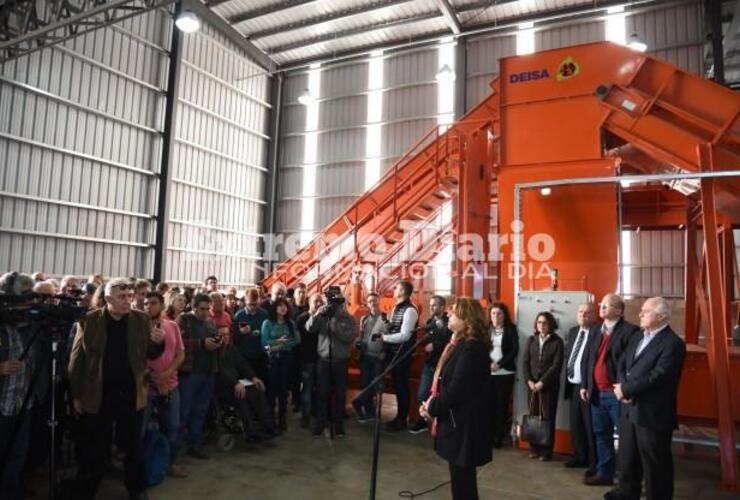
(34, 307)
(334, 300)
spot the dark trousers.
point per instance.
(331, 375)
(400, 378)
(117, 408)
(295, 385)
(14, 438)
(308, 379)
(252, 409)
(463, 482)
(501, 388)
(370, 368)
(281, 373)
(550, 409)
(581, 432)
(645, 453)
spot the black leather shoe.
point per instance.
(597, 480)
(575, 464)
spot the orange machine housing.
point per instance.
(590, 111)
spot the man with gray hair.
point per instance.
(647, 389)
(107, 375)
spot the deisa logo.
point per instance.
(567, 69)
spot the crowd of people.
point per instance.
(141, 351)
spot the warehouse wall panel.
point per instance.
(80, 146)
(219, 166)
(674, 34)
(570, 34)
(655, 264)
(482, 57)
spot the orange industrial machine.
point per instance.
(544, 153)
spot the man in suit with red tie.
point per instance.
(648, 385)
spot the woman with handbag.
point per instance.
(459, 408)
(543, 359)
(505, 341)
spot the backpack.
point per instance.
(156, 456)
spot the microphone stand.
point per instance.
(375, 384)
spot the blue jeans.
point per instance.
(604, 419)
(169, 418)
(196, 391)
(425, 384)
(369, 369)
(308, 378)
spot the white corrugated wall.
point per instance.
(219, 163)
(80, 146)
(655, 264)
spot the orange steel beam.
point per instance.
(691, 329)
(718, 334)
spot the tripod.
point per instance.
(400, 355)
(52, 422)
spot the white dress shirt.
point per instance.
(647, 338)
(576, 379)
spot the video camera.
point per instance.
(334, 300)
(39, 308)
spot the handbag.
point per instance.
(536, 428)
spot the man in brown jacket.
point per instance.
(108, 378)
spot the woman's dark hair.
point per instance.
(551, 321)
(504, 309)
(273, 309)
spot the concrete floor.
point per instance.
(297, 465)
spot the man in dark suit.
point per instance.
(603, 354)
(581, 435)
(647, 388)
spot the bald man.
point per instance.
(647, 389)
(603, 353)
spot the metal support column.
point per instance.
(719, 361)
(714, 13)
(270, 219)
(461, 70)
(168, 149)
(691, 329)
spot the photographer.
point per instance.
(197, 372)
(335, 328)
(107, 374)
(308, 354)
(370, 346)
(15, 381)
(436, 339)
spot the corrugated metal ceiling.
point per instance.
(298, 30)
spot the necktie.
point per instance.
(574, 354)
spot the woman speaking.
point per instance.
(459, 407)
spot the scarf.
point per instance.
(449, 348)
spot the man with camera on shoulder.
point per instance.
(15, 380)
(335, 328)
(108, 379)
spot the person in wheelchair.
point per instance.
(238, 386)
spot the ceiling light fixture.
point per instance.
(445, 74)
(635, 43)
(187, 22)
(305, 98)
(546, 191)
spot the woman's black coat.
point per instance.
(463, 407)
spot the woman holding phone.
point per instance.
(459, 408)
(279, 336)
